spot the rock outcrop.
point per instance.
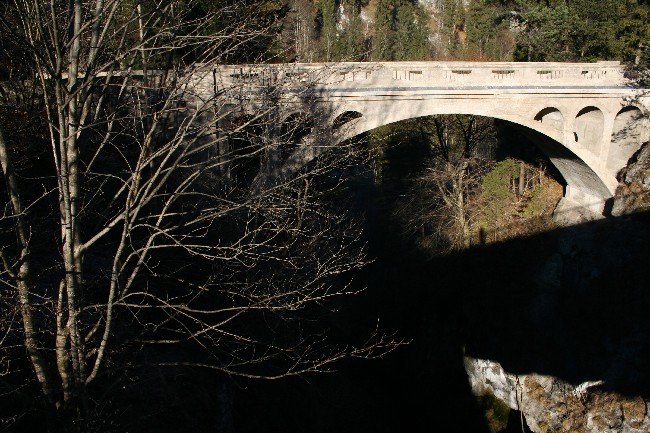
(550, 405)
(633, 192)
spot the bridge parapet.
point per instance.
(416, 74)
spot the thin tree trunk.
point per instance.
(69, 156)
(522, 178)
(460, 209)
(21, 277)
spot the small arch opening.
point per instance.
(296, 126)
(294, 129)
(345, 118)
(552, 117)
(588, 128)
(627, 136)
(245, 134)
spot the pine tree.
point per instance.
(351, 42)
(595, 30)
(481, 27)
(327, 11)
(421, 32)
(411, 33)
(635, 34)
(384, 31)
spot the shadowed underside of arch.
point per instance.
(546, 127)
(586, 146)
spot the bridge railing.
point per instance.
(413, 74)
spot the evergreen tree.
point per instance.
(596, 30)
(542, 30)
(562, 30)
(634, 34)
(384, 32)
(355, 36)
(328, 37)
(421, 32)
(401, 31)
(482, 26)
(411, 33)
(351, 42)
(453, 21)
(453, 13)
(404, 26)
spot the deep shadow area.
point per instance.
(571, 303)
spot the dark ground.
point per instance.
(571, 303)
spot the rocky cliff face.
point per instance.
(633, 193)
(551, 405)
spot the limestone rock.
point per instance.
(633, 192)
(553, 406)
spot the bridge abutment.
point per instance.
(579, 206)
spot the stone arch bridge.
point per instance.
(585, 116)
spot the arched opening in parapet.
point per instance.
(588, 129)
(295, 127)
(552, 117)
(627, 136)
(246, 134)
(345, 118)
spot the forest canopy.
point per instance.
(499, 30)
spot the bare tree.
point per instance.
(300, 30)
(439, 202)
(156, 222)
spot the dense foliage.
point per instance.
(522, 30)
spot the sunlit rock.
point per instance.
(551, 405)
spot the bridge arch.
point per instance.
(552, 117)
(627, 134)
(345, 118)
(296, 126)
(547, 120)
(244, 133)
(293, 116)
(546, 127)
(577, 105)
(588, 128)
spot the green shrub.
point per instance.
(496, 183)
(496, 196)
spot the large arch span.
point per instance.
(585, 116)
(571, 142)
